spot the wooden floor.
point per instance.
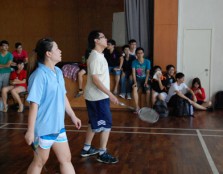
(170, 146)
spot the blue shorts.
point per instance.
(140, 84)
(99, 115)
(46, 141)
(114, 72)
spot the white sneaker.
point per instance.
(129, 96)
(122, 96)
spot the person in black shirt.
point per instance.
(170, 71)
(112, 56)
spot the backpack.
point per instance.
(161, 108)
(183, 108)
(219, 100)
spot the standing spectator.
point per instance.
(17, 85)
(19, 54)
(140, 73)
(132, 47)
(5, 63)
(97, 96)
(112, 56)
(126, 77)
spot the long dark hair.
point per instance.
(196, 80)
(38, 54)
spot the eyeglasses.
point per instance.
(101, 37)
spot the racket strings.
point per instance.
(148, 115)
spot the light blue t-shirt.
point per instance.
(141, 68)
(47, 89)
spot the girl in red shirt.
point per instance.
(17, 85)
(199, 93)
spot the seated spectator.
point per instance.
(158, 85)
(200, 93)
(180, 89)
(5, 63)
(19, 54)
(140, 73)
(17, 85)
(126, 77)
(170, 70)
(132, 47)
(112, 56)
(83, 71)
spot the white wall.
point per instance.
(204, 14)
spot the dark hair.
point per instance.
(179, 75)
(42, 46)
(132, 41)
(4, 42)
(138, 49)
(19, 61)
(17, 44)
(168, 67)
(154, 69)
(196, 80)
(111, 41)
(91, 37)
(124, 47)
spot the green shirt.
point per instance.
(3, 61)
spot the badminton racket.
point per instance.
(35, 151)
(145, 114)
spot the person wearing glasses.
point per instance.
(97, 95)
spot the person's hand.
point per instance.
(190, 101)
(114, 99)
(146, 85)
(77, 122)
(29, 137)
(116, 69)
(159, 75)
(134, 85)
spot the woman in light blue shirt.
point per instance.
(48, 103)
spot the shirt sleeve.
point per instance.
(96, 67)
(36, 87)
(12, 76)
(148, 65)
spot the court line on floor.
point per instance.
(4, 125)
(132, 132)
(138, 127)
(207, 153)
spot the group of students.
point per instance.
(12, 73)
(133, 71)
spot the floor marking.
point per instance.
(3, 125)
(208, 155)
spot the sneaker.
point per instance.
(90, 152)
(122, 96)
(129, 96)
(107, 158)
(80, 93)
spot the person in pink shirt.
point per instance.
(19, 54)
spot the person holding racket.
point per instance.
(97, 95)
(48, 104)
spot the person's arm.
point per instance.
(134, 76)
(8, 64)
(147, 78)
(161, 86)
(29, 136)
(101, 87)
(120, 64)
(70, 112)
(192, 92)
(17, 81)
(201, 94)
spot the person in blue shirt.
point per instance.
(48, 104)
(140, 72)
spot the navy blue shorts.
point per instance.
(99, 115)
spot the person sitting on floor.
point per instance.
(180, 89)
(17, 85)
(157, 85)
(140, 72)
(126, 77)
(112, 56)
(169, 75)
(200, 93)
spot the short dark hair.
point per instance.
(138, 49)
(168, 67)
(132, 41)
(19, 61)
(111, 41)
(91, 37)
(124, 47)
(17, 44)
(179, 75)
(4, 42)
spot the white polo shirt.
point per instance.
(97, 65)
